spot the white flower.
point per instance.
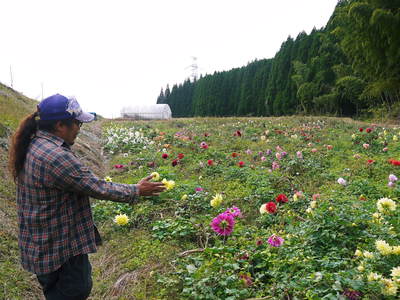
(342, 181)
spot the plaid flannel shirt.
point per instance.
(54, 213)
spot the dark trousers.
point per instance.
(72, 281)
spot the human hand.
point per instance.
(147, 188)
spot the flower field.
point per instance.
(268, 208)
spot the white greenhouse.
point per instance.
(147, 112)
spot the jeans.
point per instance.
(72, 281)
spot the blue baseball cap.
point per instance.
(59, 107)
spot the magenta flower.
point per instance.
(118, 166)
(234, 211)
(223, 224)
(199, 189)
(275, 241)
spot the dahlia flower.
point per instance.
(223, 224)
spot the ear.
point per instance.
(59, 126)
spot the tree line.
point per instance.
(347, 68)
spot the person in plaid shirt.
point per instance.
(56, 228)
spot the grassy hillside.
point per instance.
(14, 282)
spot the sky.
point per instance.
(111, 54)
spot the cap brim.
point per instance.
(85, 117)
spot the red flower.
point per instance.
(206, 134)
(281, 198)
(210, 162)
(271, 207)
(360, 129)
(181, 155)
(164, 155)
(237, 133)
(234, 154)
(118, 166)
(370, 161)
(241, 163)
(368, 130)
(259, 242)
(394, 162)
(175, 162)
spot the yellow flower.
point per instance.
(184, 197)
(353, 136)
(155, 176)
(313, 204)
(395, 273)
(395, 138)
(216, 200)
(383, 247)
(361, 268)
(358, 253)
(368, 254)
(385, 204)
(295, 197)
(108, 179)
(374, 276)
(376, 215)
(169, 184)
(396, 250)
(121, 219)
(330, 208)
(390, 288)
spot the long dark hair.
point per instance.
(21, 139)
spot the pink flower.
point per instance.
(246, 279)
(366, 146)
(263, 158)
(275, 165)
(278, 155)
(316, 196)
(299, 155)
(199, 189)
(385, 149)
(234, 211)
(392, 178)
(248, 151)
(342, 181)
(275, 241)
(313, 150)
(391, 184)
(329, 147)
(223, 224)
(118, 166)
(203, 145)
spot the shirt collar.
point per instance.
(51, 137)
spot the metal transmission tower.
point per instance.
(194, 69)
